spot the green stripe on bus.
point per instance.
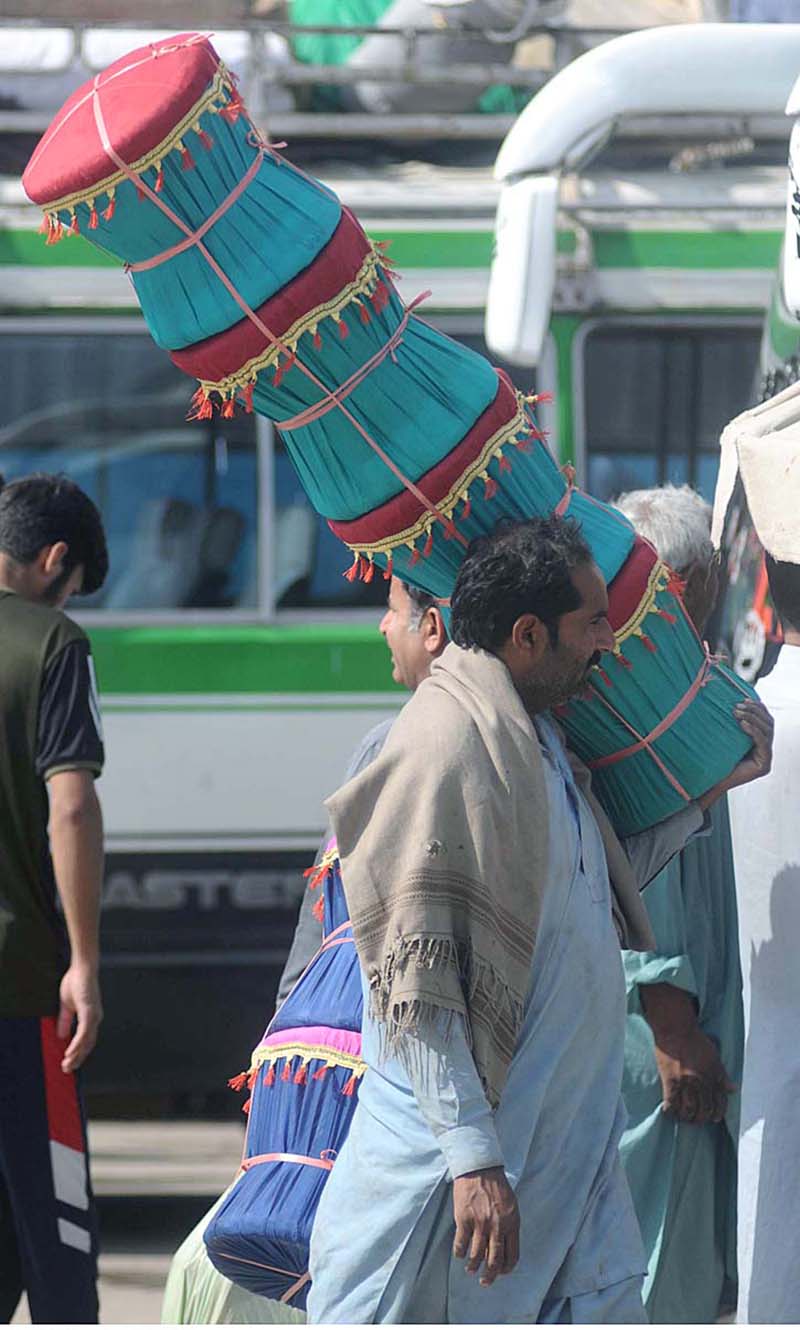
(241, 659)
(28, 249)
(410, 249)
(686, 249)
(473, 249)
(439, 249)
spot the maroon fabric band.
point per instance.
(630, 584)
(401, 512)
(146, 93)
(335, 265)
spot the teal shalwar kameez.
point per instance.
(683, 1177)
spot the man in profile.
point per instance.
(52, 546)
(414, 631)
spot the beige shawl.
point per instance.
(443, 841)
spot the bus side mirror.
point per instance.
(523, 270)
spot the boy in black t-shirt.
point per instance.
(52, 546)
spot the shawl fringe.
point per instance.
(486, 993)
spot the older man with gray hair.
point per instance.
(684, 1035)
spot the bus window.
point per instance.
(179, 499)
(657, 399)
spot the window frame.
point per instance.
(453, 323)
(623, 322)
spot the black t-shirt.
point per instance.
(49, 723)
(69, 734)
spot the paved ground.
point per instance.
(154, 1180)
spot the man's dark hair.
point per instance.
(784, 586)
(521, 568)
(41, 510)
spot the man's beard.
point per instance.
(566, 677)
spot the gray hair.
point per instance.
(420, 602)
(674, 518)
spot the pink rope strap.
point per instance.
(336, 942)
(301, 1283)
(336, 931)
(320, 408)
(644, 743)
(262, 1265)
(572, 489)
(149, 193)
(561, 507)
(321, 1162)
(192, 239)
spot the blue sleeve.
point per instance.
(447, 1088)
(650, 851)
(308, 930)
(369, 748)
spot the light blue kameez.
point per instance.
(382, 1240)
(683, 1177)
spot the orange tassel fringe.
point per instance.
(202, 408)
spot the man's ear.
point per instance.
(434, 633)
(51, 559)
(529, 636)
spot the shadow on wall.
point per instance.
(775, 990)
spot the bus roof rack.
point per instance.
(728, 72)
(50, 47)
